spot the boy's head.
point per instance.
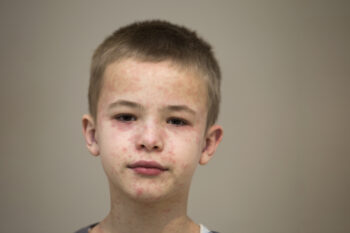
(154, 97)
(156, 41)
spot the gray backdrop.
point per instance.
(284, 163)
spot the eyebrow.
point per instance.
(171, 108)
(125, 103)
(181, 108)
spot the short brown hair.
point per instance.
(156, 41)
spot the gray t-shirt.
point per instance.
(203, 229)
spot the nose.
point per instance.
(150, 138)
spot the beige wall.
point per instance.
(284, 163)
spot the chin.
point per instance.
(147, 198)
(150, 195)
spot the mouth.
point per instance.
(147, 168)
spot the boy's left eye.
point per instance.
(177, 121)
(125, 117)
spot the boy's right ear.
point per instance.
(89, 131)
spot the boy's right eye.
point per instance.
(125, 117)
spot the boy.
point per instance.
(153, 98)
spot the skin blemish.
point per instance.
(171, 153)
(166, 210)
(184, 166)
(139, 191)
(171, 160)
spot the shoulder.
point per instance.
(203, 229)
(86, 229)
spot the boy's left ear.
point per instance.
(212, 140)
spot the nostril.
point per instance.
(151, 146)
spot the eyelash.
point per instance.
(176, 121)
(125, 117)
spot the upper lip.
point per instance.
(147, 164)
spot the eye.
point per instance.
(125, 117)
(177, 121)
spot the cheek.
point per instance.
(170, 153)
(185, 166)
(110, 164)
(114, 153)
(125, 153)
(120, 127)
(194, 148)
(184, 154)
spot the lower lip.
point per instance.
(148, 171)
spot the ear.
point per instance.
(212, 139)
(89, 131)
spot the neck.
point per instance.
(128, 215)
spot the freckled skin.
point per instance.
(153, 86)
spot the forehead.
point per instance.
(136, 79)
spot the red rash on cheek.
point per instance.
(124, 150)
(120, 126)
(171, 153)
(184, 166)
(131, 140)
(171, 160)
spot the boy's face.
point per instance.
(151, 128)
